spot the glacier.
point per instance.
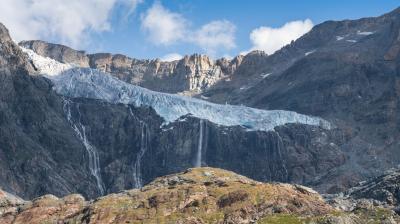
(78, 82)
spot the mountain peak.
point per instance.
(4, 34)
(394, 12)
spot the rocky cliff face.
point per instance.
(344, 71)
(200, 195)
(385, 188)
(190, 75)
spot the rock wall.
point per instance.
(190, 75)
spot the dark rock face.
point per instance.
(31, 129)
(43, 154)
(346, 72)
(385, 188)
(268, 156)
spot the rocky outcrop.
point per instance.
(385, 189)
(59, 52)
(199, 195)
(9, 206)
(190, 75)
(378, 195)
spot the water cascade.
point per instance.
(80, 130)
(144, 142)
(200, 145)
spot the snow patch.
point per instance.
(77, 82)
(168, 129)
(364, 33)
(265, 75)
(310, 52)
(47, 66)
(339, 38)
(352, 41)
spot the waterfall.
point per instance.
(199, 145)
(80, 130)
(281, 159)
(144, 140)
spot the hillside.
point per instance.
(200, 195)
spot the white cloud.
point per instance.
(271, 39)
(215, 35)
(227, 56)
(68, 22)
(171, 57)
(165, 28)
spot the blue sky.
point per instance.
(150, 29)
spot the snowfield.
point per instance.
(77, 82)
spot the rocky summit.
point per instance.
(190, 75)
(199, 195)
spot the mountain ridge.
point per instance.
(221, 80)
(193, 73)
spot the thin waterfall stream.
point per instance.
(200, 145)
(144, 142)
(80, 130)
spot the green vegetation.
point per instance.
(280, 219)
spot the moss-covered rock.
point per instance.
(199, 195)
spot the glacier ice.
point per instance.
(77, 82)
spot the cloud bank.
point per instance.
(68, 22)
(164, 27)
(270, 39)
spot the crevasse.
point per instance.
(79, 82)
